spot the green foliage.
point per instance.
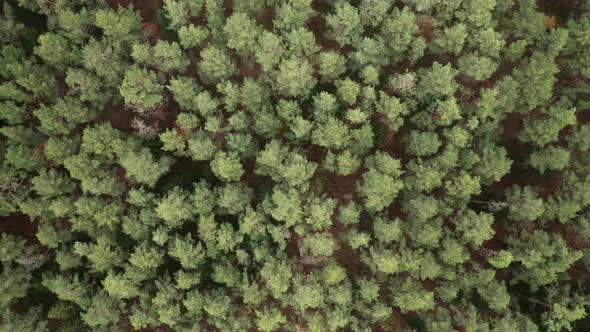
(476, 228)
(180, 11)
(63, 116)
(294, 165)
(308, 296)
(102, 311)
(101, 140)
(192, 36)
(56, 51)
(393, 109)
(548, 248)
(373, 12)
(172, 141)
(477, 67)
(344, 24)
(140, 89)
(87, 85)
(381, 182)
(452, 39)
(120, 287)
(331, 65)
(292, 14)
(544, 130)
(10, 112)
(550, 158)
(493, 164)
(11, 248)
(285, 206)
(269, 51)
(226, 166)
(501, 260)
(276, 161)
(423, 143)
(120, 26)
(436, 82)
(215, 65)
(51, 183)
(67, 288)
(102, 255)
(186, 252)
(146, 257)
(73, 22)
(370, 52)
(30, 321)
(301, 42)
(564, 309)
(331, 134)
(142, 167)
(92, 178)
(294, 77)
(175, 208)
(201, 147)
(277, 274)
(536, 81)
(525, 204)
(398, 30)
(489, 42)
(318, 244)
(105, 59)
(241, 33)
(14, 285)
(269, 320)
(412, 297)
(463, 186)
(348, 91)
(166, 56)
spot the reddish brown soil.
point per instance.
(351, 261)
(19, 225)
(511, 126)
(148, 9)
(315, 153)
(392, 141)
(559, 9)
(317, 25)
(570, 235)
(117, 116)
(506, 181)
(427, 29)
(169, 112)
(151, 31)
(228, 5)
(583, 116)
(395, 323)
(161, 328)
(265, 18)
(250, 178)
(293, 245)
(341, 187)
(40, 151)
(180, 131)
(550, 22)
(250, 70)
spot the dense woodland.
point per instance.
(295, 165)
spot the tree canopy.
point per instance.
(294, 165)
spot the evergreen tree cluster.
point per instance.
(294, 165)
